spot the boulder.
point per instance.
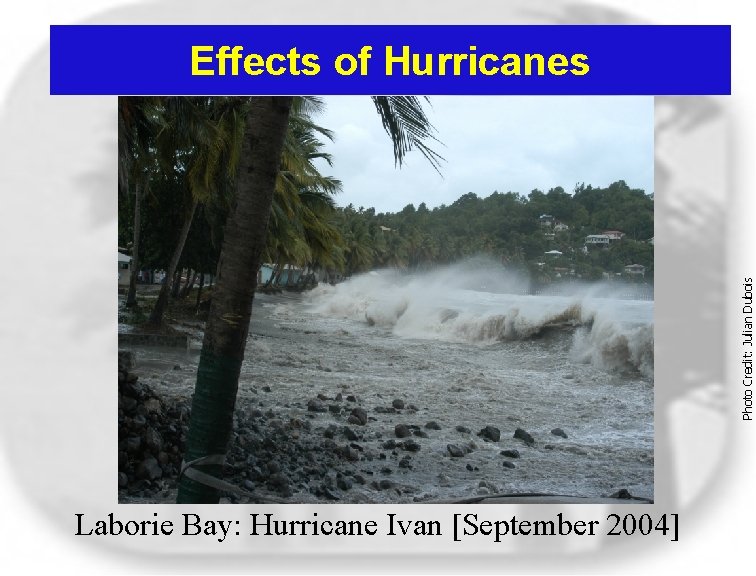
(315, 405)
(491, 433)
(149, 469)
(411, 446)
(521, 434)
(358, 416)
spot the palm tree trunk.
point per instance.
(156, 318)
(231, 309)
(131, 296)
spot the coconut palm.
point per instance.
(243, 244)
(299, 229)
(139, 120)
(203, 135)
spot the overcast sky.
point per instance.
(493, 143)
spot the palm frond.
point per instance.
(405, 122)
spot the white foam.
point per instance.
(478, 301)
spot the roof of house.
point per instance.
(123, 258)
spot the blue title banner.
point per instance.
(377, 60)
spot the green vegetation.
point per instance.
(509, 228)
(177, 166)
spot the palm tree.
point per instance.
(203, 137)
(358, 244)
(138, 122)
(298, 231)
(244, 241)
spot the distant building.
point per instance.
(560, 227)
(553, 253)
(124, 269)
(288, 274)
(265, 273)
(635, 269)
(597, 240)
(546, 220)
(613, 235)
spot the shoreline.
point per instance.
(297, 436)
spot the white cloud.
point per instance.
(493, 143)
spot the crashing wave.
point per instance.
(611, 334)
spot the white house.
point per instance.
(597, 239)
(553, 253)
(124, 269)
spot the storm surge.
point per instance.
(475, 303)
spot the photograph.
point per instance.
(392, 280)
(387, 299)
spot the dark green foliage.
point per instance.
(506, 226)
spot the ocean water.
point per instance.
(463, 348)
(470, 348)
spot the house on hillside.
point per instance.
(546, 220)
(562, 272)
(597, 240)
(635, 270)
(613, 235)
(553, 253)
(561, 227)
